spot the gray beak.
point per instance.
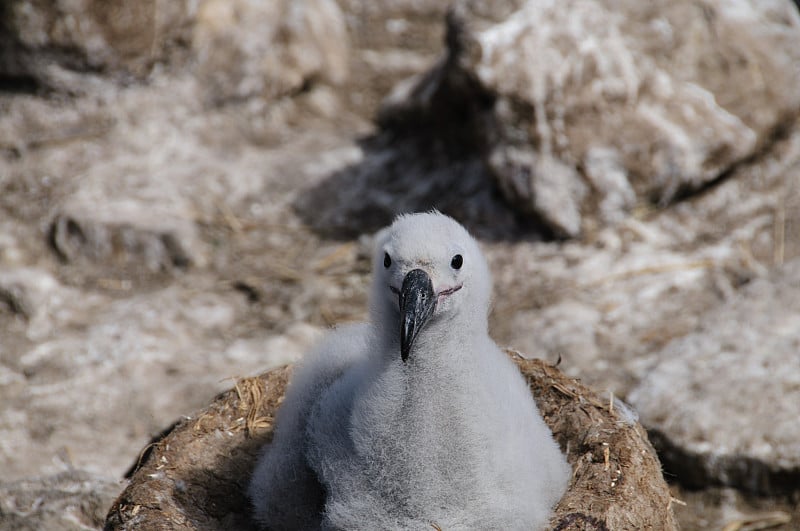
(417, 302)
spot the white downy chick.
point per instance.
(415, 419)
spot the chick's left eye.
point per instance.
(387, 260)
(457, 261)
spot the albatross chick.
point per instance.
(416, 419)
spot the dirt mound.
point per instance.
(195, 475)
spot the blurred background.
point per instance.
(189, 189)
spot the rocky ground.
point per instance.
(188, 194)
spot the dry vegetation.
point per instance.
(194, 477)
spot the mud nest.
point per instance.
(194, 476)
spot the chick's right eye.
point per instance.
(387, 260)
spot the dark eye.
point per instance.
(387, 260)
(457, 261)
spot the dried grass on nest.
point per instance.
(194, 477)
(250, 392)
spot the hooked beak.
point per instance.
(417, 302)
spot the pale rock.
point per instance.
(43, 302)
(564, 331)
(67, 501)
(43, 39)
(584, 109)
(237, 49)
(254, 354)
(248, 48)
(84, 373)
(722, 402)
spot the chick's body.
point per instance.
(416, 419)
